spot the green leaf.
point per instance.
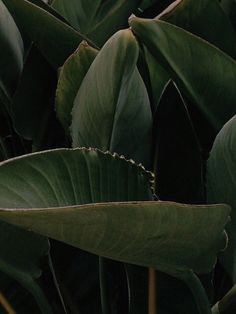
(11, 61)
(159, 78)
(59, 178)
(55, 39)
(221, 186)
(80, 14)
(169, 236)
(71, 76)
(112, 110)
(204, 18)
(211, 86)
(64, 177)
(95, 18)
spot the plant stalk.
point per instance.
(6, 305)
(152, 293)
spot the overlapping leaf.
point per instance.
(221, 185)
(55, 39)
(208, 82)
(11, 61)
(169, 236)
(112, 110)
(187, 14)
(95, 18)
(70, 78)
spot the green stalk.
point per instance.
(198, 292)
(105, 302)
(152, 304)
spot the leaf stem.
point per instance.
(152, 304)
(56, 282)
(104, 286)
(6, 305)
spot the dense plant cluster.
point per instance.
(117, 148)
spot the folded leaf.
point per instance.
(204, 73)
(112, 110)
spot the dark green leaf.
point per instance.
(204, 18)
(169, 236)
(221, 185)
(112, 110)
(71, 76)
(55, 39)
(11, 61)
(211, 87)
(95, 18)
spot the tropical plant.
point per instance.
(107, 122)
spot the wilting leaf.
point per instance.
(112, 110)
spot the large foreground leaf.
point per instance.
(66, 177)
(59, 178)
(54, 38)
(169, 236)
(112, 110)
(203, 72)
(221, 185)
